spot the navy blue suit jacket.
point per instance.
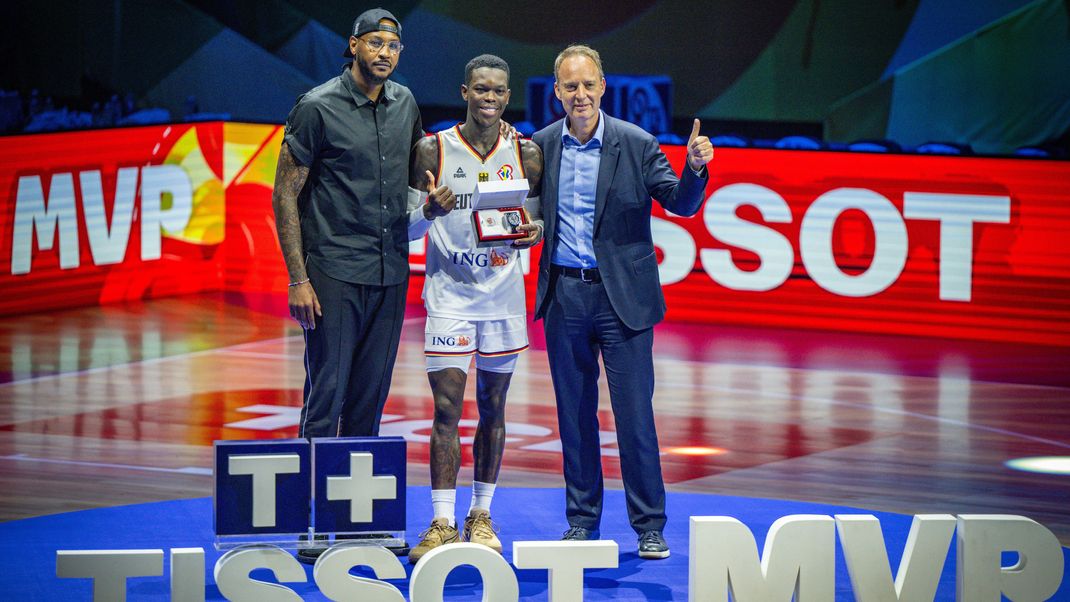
(632, 170)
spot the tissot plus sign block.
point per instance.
(359, 484)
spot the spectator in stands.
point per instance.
(191, 106)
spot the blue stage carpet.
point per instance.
(28, 547)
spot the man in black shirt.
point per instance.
(344, 224)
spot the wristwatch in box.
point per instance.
(497, 211)
(499, 225)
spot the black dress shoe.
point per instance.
(652, 545)
(399, 547)
(580, 534)
(311, 552)
(310, 555)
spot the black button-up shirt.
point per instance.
(354, 219)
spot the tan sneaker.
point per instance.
(438, 534)
(479, 529)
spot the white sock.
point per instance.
(444, 503)
(482, 494)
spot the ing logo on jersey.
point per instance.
(458, 341)
(506, 172)
(497, 259)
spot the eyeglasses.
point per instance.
(395, 47)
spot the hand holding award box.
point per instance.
(497, 210)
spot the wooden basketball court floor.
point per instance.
(120, 404)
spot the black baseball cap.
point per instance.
(368, 21)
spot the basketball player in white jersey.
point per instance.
(474, 298)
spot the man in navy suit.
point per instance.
(599, 291)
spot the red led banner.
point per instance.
(944, 246)
(963, 247)
(109, 215)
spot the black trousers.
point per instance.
(580, 323)
(349, 357)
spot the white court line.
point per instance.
(195, 470)
(157, 360)
(874, 408)
(785, 396)
(265, 356)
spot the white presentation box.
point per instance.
(497, 211)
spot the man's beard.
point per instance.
(369, 76)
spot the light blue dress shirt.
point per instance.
(575, 197)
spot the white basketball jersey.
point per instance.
(464, 281)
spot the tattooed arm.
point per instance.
(289, 179)
(426, 200)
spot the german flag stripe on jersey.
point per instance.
(501, 353)
(519, 159)
(471, 149)
(441, 151)
(450, 353)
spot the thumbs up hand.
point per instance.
(440, 200)
(699, 149)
